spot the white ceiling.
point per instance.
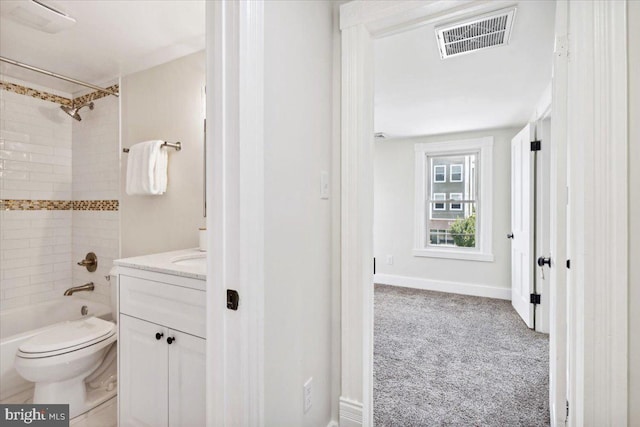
(417, 93)
(110, 39)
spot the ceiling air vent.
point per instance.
(36, 14)
(480, 32)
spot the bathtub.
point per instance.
(19, 324)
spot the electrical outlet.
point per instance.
(389, 259)
(306, 393)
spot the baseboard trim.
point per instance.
(474, 289)
(350, 413)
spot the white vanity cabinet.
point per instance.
(161, 379)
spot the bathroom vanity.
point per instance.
(161, 351)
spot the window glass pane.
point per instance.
(451, 203)
(455, 206)
(459, 232)
(456, 173)
(439, 206)
(439, 173)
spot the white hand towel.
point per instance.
(147, 169)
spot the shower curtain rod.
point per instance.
(58, 76)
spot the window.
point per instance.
(455, 173)
(453, 218)
(439, 206)
(455, 206)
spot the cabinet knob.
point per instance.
(170, 340)
(159, 335)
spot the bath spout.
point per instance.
(86, 287)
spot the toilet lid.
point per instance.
(69, 334)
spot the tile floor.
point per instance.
(104, 415)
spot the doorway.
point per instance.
(441, 179)
(357, 245)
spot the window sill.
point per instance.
(454, 254)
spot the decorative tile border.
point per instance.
(59, 205)
(36, 205)
(81, 100)
(96, 205)
(46, 96)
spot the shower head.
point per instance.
(73, 112)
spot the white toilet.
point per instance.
(59, 359)
(65, 360)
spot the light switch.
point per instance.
(324, 184)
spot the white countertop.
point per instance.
(186, 262)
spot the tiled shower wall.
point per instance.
(59, 178)
(96, 177)
(35, 164)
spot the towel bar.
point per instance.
(176, 145)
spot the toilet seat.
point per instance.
(67, 337)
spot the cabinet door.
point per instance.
(143, 379)
(187, 386)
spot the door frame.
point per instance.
(597, 154)
(597, 311)
(235, 220)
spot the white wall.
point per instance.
(298, 136)
(35, 164)
(96, 176)
(394, 179)
(634, 211)
(165, 102)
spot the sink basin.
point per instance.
(190, 260)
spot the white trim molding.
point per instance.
(350, 413)
(356, 230)
(598, 218)
(473, 289)
(235, 197)
(558, 221)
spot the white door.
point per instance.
(187, 382)
(543, 219)
(143, 382)
(522, 225)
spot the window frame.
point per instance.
(483, 149)
(444, 203)
(444, 174)
(461, 166)
(451, 208)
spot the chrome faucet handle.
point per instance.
(90, 261)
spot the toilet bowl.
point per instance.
(59, 359)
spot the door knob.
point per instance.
(510, 236)
(542, 261)
(170, 340)
(159, 335)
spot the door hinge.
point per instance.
(567, 409)
(535, 145)
(568, 263)
(534, 298)
(374, 265)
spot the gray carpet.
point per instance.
(453, 360)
